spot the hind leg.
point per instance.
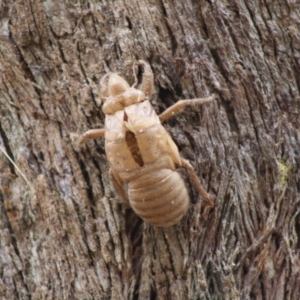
(119, 187)
(146, 85)
(186, 164)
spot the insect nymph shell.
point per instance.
(140, 151)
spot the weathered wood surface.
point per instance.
(69, 237)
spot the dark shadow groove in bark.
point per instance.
(85, 174)
(8, 149)
(174, 44)
(134, 232)
(233, 123)
(297, 229)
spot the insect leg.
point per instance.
(186, 164)
(146, 85)
(92, 134)
(181, 104)
(119, 187)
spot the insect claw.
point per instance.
(206, 212)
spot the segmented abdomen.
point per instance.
(159, 197)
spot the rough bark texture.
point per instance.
(69, 237)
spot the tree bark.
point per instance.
(65, 234)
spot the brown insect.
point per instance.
(140, 151)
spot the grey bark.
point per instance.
(69, 237)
